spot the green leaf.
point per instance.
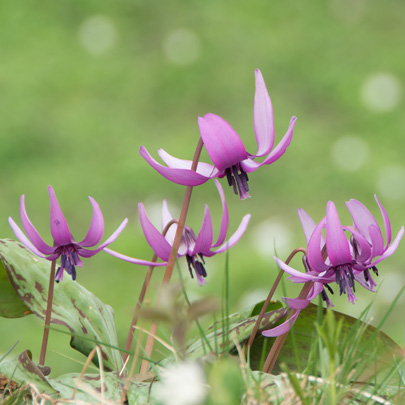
(88, 319)
(11, 305)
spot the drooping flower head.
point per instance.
(194, 248)
(64, 246)
(345, 254)
(227, 150)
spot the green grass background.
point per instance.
(74, 116)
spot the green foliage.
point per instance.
(87, 318)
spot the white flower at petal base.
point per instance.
(181, 384)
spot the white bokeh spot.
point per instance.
(182, 47)
(271, 237)
(381, 92)
(349, 153)
(97, 34)
(391, 183)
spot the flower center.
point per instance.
(238, 179)
(68, 258)
(197, 262)
(345, 278)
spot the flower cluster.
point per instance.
(343, 254)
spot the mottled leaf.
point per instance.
(86, 317)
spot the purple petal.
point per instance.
(387, 223)
(377, 242)
(223, 144)
(155, 239)
(250, 165)
(308, 224)
(303, 277)
(225, 216)
(204, 238)
(337, 244)
(166, 219)
(316, 289)
(59, 227)
(262, 117)
(89, 253)
(96, 230)
(132, 259)
(315, 249)
(391, 249)
(184, 177)
(31, 232)
(235, 237)
(363, 220)
(23, 239)
(205, 169)
(283, 328)
(296, 303)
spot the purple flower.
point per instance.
(193, 247)
(335, 257)
(226, 149)
(64, 245)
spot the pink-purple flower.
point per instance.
(64, 245)
(194, 247)
(345, 255)
(226, 149)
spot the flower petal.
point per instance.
(387, 223)
(204, 238)
(205, 169)
(296, 303)
(337, 244)
(155, 239)
(31, 232)
(308, 224)
(89, 253)
(303, 277)
(235, 237)
(184, 177)
(283, 328)
(263, 122)
(225, 216)
(315, 249)
(59, 227)
(132, 259)
(250, 165)
(23, 239)
(96, 230)
(166, 219)
(391, 249)
(223, 144)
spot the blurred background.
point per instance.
(84, 84)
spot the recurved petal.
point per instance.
(184, 177)
(205, 169)
(96, 230)
(298, 276)
(249, 165)
(337, 244)
(391, 249)
(223, 144)
(387, 223)
(363, 245)
(89, 253)
(166, 219)
(30, 230)
(23, 239)
(204, 239)
(315, 246)
(225, 216)
(262, 117)
(283, 328)
(155, 239)
(308, 224)
(296, 303)
(235, 237)
(59, 227)
(132, 259)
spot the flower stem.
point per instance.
(279, 342)
(269, 297)
(173, 254)
(48, 314)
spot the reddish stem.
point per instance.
(48, 314)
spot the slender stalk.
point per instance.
(141, 299)
(279, 342)
(269, 297)
(173, 254)
(48, 314)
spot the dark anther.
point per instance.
(375, 270)
(231, 180)
(63, 260)
(329, 288)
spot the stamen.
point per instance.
(329, 288)
(375, 270)
(238, 179)
(231, 180)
